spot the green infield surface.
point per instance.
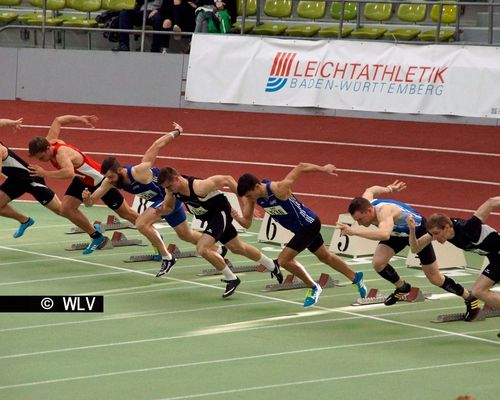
(174, 337)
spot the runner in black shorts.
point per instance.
(204, 199)
(18, 182)
(470, 235)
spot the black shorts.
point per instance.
(398, 243)
(492, 270)
(220, 227)
(308, 237)
(113, 198)
(15, 188)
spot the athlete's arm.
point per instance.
(382, 232)
(247, 209)
(89, 199)
(167, 206)
(484, 211)
(374, 191)
(64, 120)
(10, 123)
(216, 182)
(151, 154)
(417, 244)
(65, 171)
(283, 189)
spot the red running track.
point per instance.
(448, 168)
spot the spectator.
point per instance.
(211, 14)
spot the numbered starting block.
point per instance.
(235, 269)
(351, 246)
(112, 224)
(172, 249)
(117, 240)
(291, 282)
(486, 312)
(375, 297)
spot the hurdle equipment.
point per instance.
(117, 240)
(291, 282)
(486, 312)
(374, 296)
(112, 224)
(172, 249)
(235, 269)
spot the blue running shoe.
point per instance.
(97, 243)
(23, 227)
(358, 281)
(312, 295)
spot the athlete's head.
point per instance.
(361, 211)
(246, 184)
(39, 148)
(169, 178)
(112, 171)
(440, 227)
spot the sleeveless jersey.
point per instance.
(474, 236)
(89, 171)
(15, 167)
(204, 207)
(290, 213)
(151, 191)
(400, 226)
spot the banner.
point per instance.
(347, 75)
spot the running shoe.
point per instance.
(276, 273)
(166, 266)
(358, 281)
(23, 227)
(472, 309)
(230, 287)
(312, 295)
(398, 294)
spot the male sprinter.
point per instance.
(18, 182)
(390, 218)
(278, 200)
(85, 172)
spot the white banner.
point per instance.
(344, 74)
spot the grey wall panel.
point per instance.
(98, 77)
(8, 67)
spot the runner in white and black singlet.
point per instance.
(277, 200)
(470, 235)
(392, 232)
(18, 181)
(204, 199)
(84, 172)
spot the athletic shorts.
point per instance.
(220, 227)
(177, 216)
(308, 237)
(492, 270)
(15, 188)
(113, 198)
(398, 243)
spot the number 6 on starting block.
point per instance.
(272, 231)
(352, 246)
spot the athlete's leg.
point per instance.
(206, 248)
(144, 224)
(380, 264)
(8, 211)
(482, 290)
(185, 233)
(69, 210)
(287, 260)
(54, 205)
(334, 261)
(126, 212)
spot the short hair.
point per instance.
(110, 164)
(438, 221)
(359, 204)
(166, 175)
(37, 145)
(246, 182)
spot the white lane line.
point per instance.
(270, 139)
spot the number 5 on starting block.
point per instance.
(352, 246)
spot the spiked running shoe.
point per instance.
(472, 309)
(312, 295)
(96, 244)
(276, 273)
(166, 266)
(398, 294)
(230, 287)
(358, 281)
(23, 227)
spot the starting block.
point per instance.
(112, 224)
(486, 312)
(172, 249)
(235, 269)
(375, 297)
(291, 282)
(117, 240)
